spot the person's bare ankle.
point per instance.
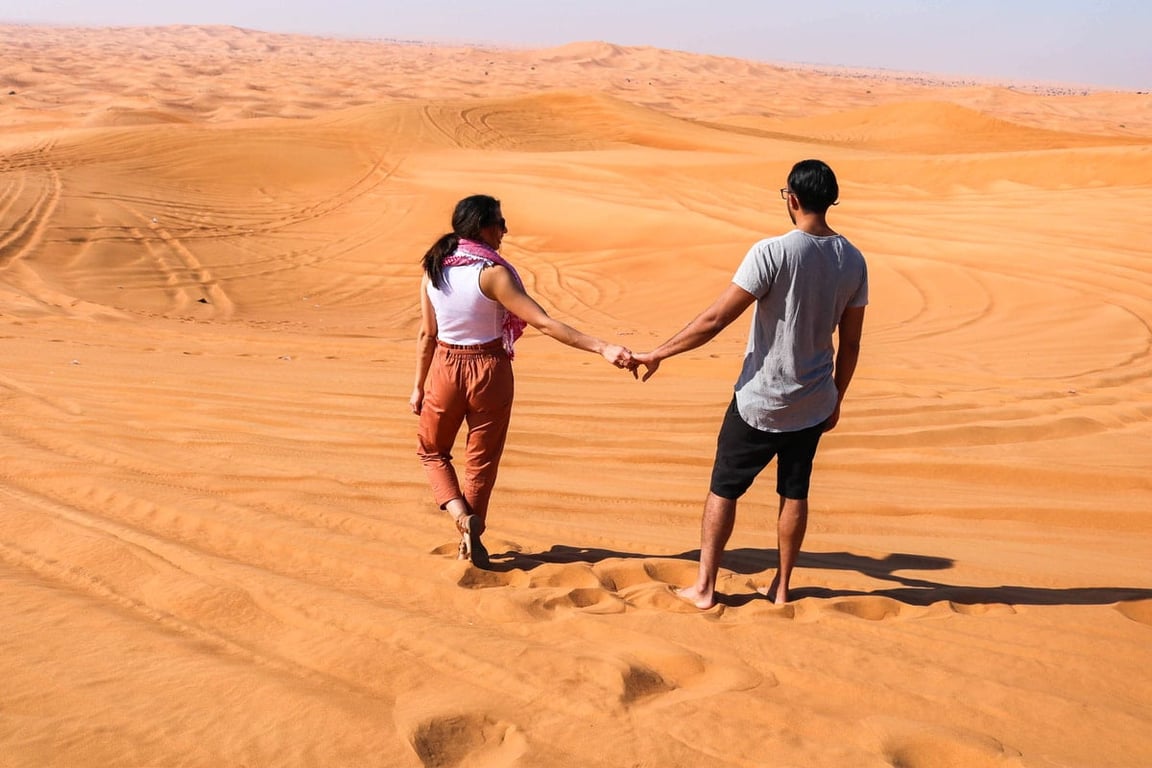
(457, 508)
(776, 592)
(701, 598)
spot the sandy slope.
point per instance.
(218, 547)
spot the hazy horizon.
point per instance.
(1101, 45)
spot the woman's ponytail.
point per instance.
(472, 214)
(434, 259)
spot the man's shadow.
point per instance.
(897, 568)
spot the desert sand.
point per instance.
(218, 548)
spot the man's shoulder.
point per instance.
(848, 244)
(851, 248)
(771, 244)
(784, 237)
(793, 238)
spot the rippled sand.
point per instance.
(218, 547)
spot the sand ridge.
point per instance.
(219, 549)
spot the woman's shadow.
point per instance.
(898, 568)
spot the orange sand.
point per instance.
(218, 548)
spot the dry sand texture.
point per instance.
(217, 547)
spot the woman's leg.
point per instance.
(492, 389)
(445, 404)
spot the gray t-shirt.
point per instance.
(802, 284)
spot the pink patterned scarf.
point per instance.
(473, 252)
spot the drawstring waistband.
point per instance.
(496, 345)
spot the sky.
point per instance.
(1100, 43)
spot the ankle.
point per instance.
(457, 508)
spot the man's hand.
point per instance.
(831, 422)
(416, 401)
(646, 359)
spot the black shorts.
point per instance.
(743, 451)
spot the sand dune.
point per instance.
(219, 549)
(559, 121)
(929, 127)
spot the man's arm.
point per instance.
(848, 334)
(729, 306)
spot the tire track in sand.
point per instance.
(27, 231)
(181, 267)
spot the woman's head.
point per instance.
(478, 218)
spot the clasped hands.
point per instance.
(622, 357)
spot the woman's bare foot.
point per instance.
(702, 599)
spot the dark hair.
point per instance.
(814, 185)
(472, 214)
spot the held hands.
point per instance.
(619, 356)
(622, 357)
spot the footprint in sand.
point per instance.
(448, 740)
(609, 587)
(629, 681)
(613, 586)
(664, 674)
(867, 608)
(876, 608)
(910, 744)
(545, 591)
(586, 600)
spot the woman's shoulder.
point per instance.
(495, 279)
(491, 268)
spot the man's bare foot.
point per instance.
(775, 592)
(701, 599)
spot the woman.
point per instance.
(473, 308)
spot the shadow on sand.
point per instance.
(907, 588)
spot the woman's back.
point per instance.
(464, 315)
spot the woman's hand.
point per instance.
(619, 356)
(416, 401)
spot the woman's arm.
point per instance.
(497, 284)
(425, 346)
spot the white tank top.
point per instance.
(464, 315)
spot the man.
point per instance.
(807, 285)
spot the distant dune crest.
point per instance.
(595, 51)
(216, 74)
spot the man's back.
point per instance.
(802, 284)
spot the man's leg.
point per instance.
(740, 455)
(790, 528)
(715, 528)
(793, 478)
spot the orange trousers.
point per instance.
(472, 385)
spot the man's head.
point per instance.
(814, 185)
